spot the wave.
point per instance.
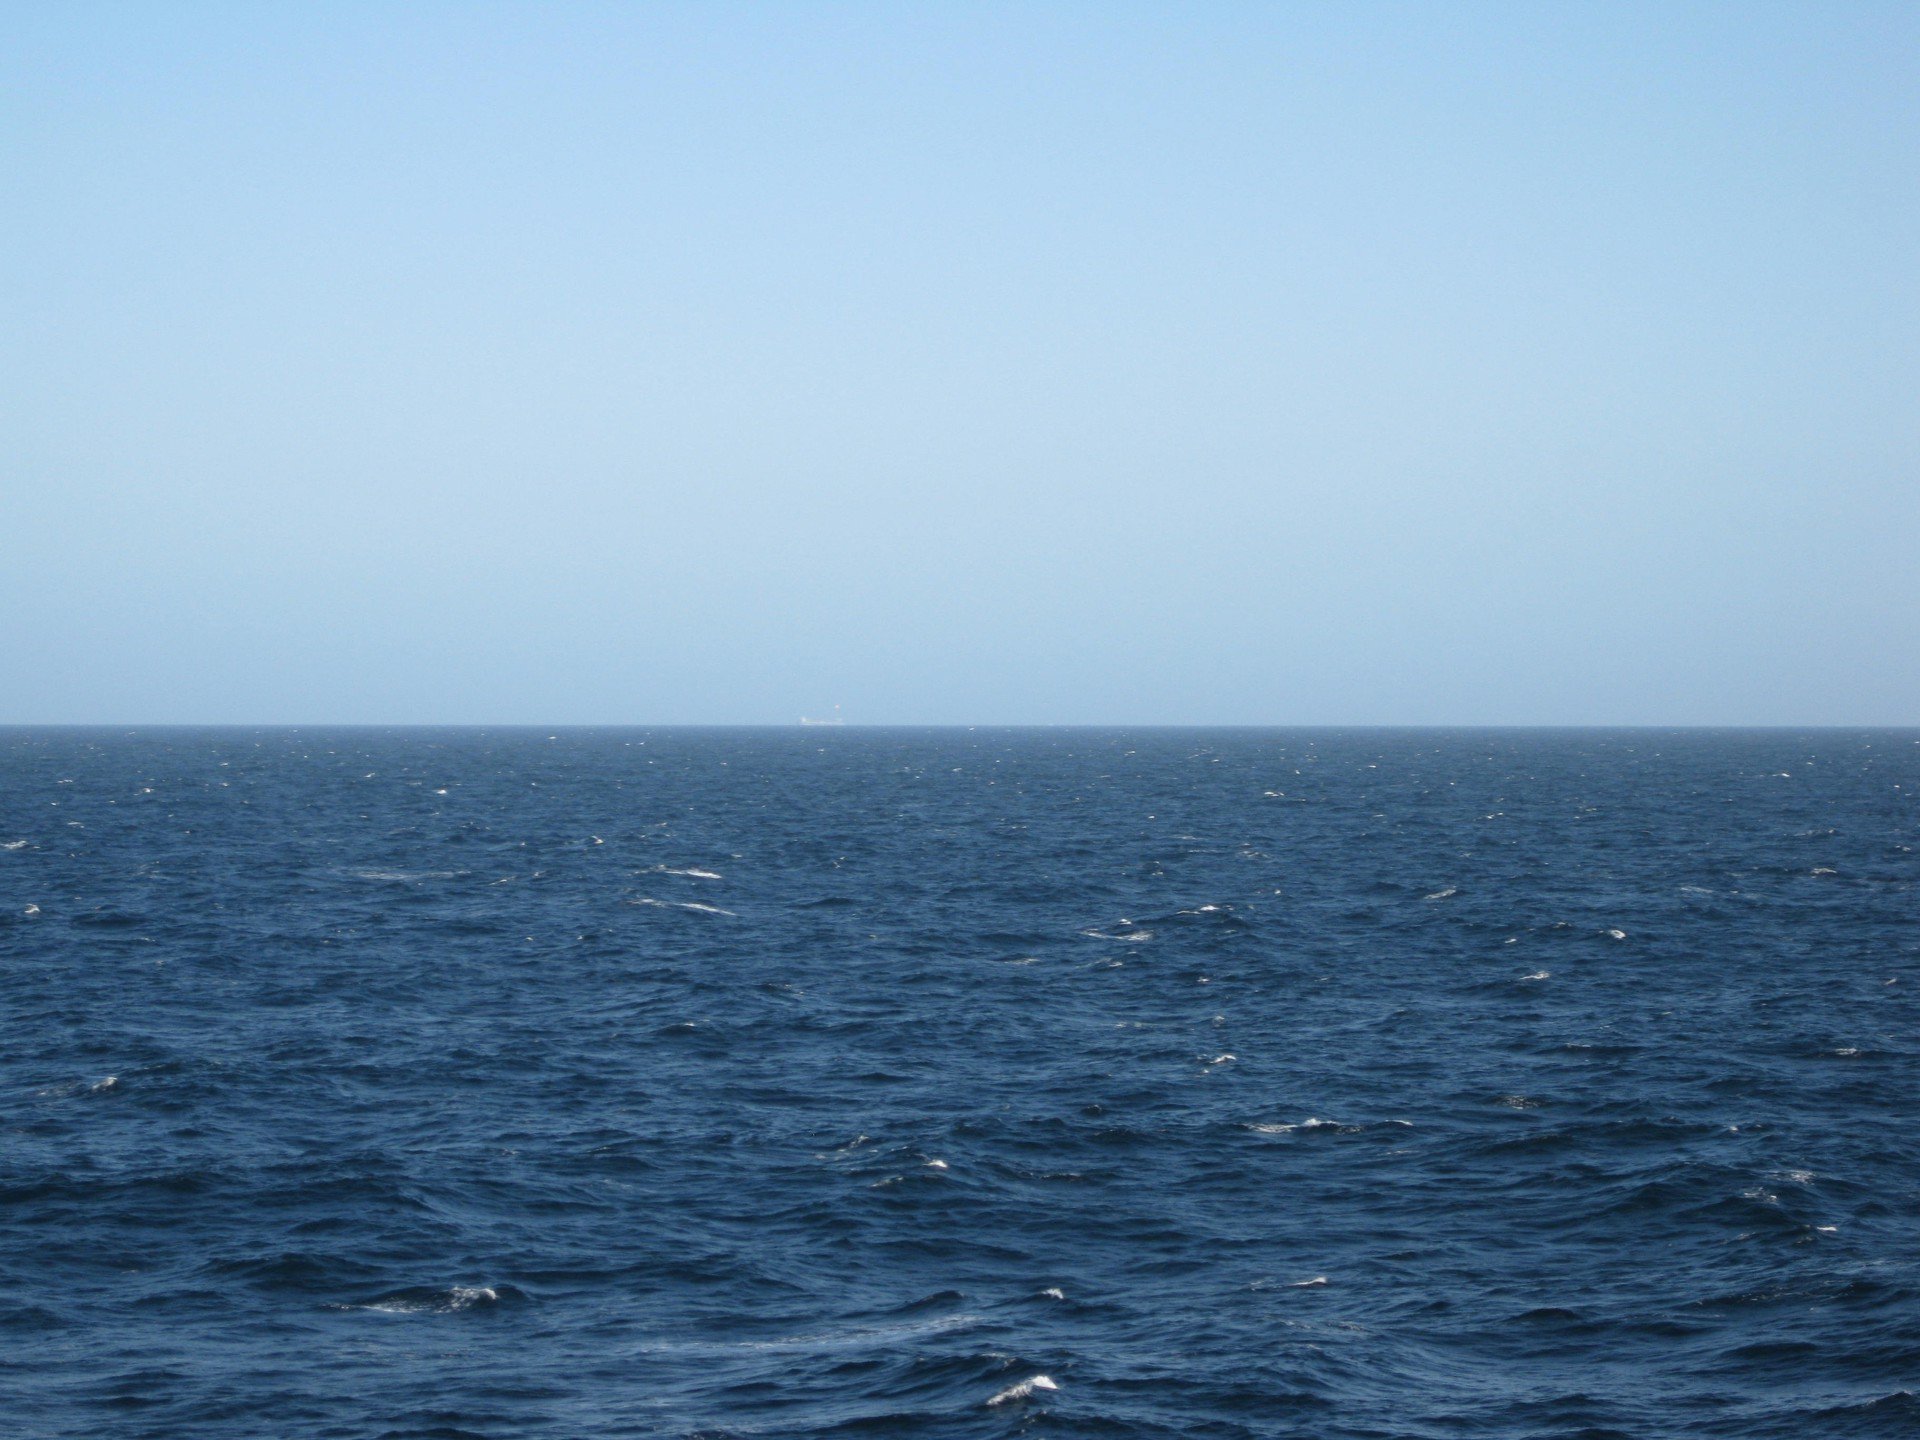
(693, 905)
(1024, 1390)
(438, 1300)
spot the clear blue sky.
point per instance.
(1277, 363)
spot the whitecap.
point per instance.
(1053, 1292)
(680, 905)
(35, 910)
(1538, 975)
(1442, 894)
(1023, 1389)
(13, 845)
(1130, 937)
(1309, 1123)
(100, 1087)
(1616, 934)
(937, 1165)
(444, 1302)
(693, 872)
(846, 1149)
(1307, 1284)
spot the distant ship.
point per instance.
(833, 719)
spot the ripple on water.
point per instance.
(603, 1083)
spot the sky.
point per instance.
(1295, 364)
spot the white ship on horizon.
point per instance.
(833, 719)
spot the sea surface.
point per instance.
(959, 1083)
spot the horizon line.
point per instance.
(576, 725)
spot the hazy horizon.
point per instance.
(1319, 367)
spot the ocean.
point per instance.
(529, 1083)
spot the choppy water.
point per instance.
(1253, 1083)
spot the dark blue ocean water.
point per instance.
(837, 1082)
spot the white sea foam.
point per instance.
(13, 845)
(35, 910)
(680, 905)
(445, 1302)
(1053, 1292)
(1023, 1389)
(100, 1087)
(1308, 1284)
(1539, 975)
(691, 871)
(1443, 894)
(937, 1165)
(1616, 934)
(1130, 937)
(846, 1149)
